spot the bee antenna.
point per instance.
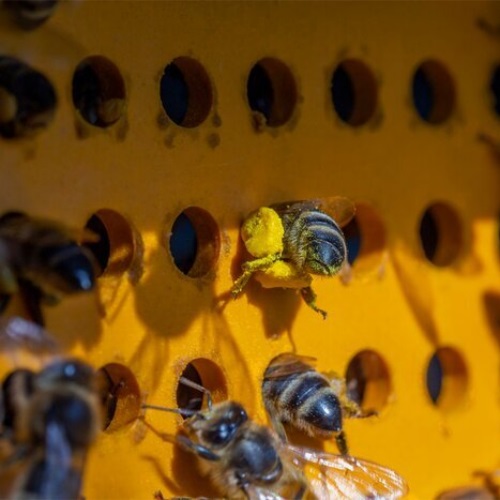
(178, 411)
(198, 387)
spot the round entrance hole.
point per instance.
(27, 99)
(441, 234)
(194, 242)
(495, 89)
(99, 91)
(368, 380)
(354, 92)
(446, 378)
(120, 395)
(206, 374)
(111, 241)
(272, 91)
(433, 92)
(186, 92)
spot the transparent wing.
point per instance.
(288, 364)
(466, 493)
(16, 332)
(257, 493)
(337, 476)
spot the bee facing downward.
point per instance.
(50, 418)
(296, 393)
(42, 255)
(246, 460)
(292, 241)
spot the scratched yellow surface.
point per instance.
(149, 170)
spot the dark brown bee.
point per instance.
(296, 393)
(41, 256)
(246, 460)
(27, 99)
(30, 14)
(50, 418)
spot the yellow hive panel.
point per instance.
(149, 169)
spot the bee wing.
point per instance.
(16, 332)
(59, 477)
(333, 476)
(289, 364)
(340, 208)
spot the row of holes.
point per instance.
(194, 239)
(367, 378)
(186, 93)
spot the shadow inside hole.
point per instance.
(98, 91)
(119, 395)
(491, 304)
(183, 243)
(31, 15)
(434, 378)
(189, 398)
(27, 99)
(353, 240)
(101, 248)
(174, 94)
(495, 90)
(433, 92)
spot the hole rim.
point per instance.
(128, 406)
(364, 88)
(283, 89)
(453, 384)
(208, 242)
(105, 106)
(432, 77)
(377, 380)
(198, 87)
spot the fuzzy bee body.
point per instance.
(42, 254)
(291, 242)
(30, 14)
(295, 393)
(51, 418)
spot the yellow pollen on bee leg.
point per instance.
(282, 274)
(263, 232)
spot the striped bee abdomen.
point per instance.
(302, 397)
(315, 241)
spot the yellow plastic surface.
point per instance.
(150, 170)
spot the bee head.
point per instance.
(68, 371)
(325, 256)
(221, 424)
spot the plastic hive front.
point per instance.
(223, 161)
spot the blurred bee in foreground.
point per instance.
(489, 490)
(292, 241)
(30, 14)
(27, 99)
(49, 419)
(246, 460)
(296, 393)
(42, 259)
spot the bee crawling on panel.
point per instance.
(244, 459)
(43, 260)
(49, 420)
(290, 242)
(295, 393)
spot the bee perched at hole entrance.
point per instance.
(49, 419)
(292, 241)
(246, 460)
(43, 260)
(296, 393)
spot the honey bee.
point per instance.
(27, 99)
(292, 241)
(295, 393)
(30, 14)
(50, 418)
(41, 257)
(244, 459)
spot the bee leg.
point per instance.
(310, 299)
(249, 268)
(196, 448)
(341, 441)
(32, 297)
